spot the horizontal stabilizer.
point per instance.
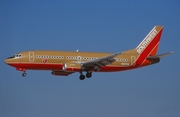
(159, 56)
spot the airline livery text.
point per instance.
(146, 41)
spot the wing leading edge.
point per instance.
(100, 62)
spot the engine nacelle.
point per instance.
(64, 67)
(59, 73)
(71, 67)
(155, 61)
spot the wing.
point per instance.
(100, 62)
(159, 56)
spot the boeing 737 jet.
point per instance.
(64, 63)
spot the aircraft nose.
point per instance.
(6, 61)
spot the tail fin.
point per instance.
(149, 45)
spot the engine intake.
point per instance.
(64, 67)
(71, 67)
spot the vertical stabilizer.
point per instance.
(149, 46)
(150, 43)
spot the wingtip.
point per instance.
(171, 52)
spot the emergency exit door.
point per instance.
(133, 59)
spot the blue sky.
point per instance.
(102, 26)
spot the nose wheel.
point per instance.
(24, 74)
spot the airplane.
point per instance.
(64, 63)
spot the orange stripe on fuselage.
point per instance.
(154, 51)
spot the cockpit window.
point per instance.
(16, 56)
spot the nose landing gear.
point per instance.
(24, 74)
(24, 71)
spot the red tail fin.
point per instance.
(149, 46)
(151, 42)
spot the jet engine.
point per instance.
(156, 60)
(59, 73)
(71, 67)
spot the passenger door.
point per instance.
(31, 56)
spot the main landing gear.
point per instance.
(88, 75)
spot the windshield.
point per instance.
(15, 56)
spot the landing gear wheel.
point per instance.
(81, 77)
(23, 74)
(88, 75)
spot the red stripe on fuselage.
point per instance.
(36, 66)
